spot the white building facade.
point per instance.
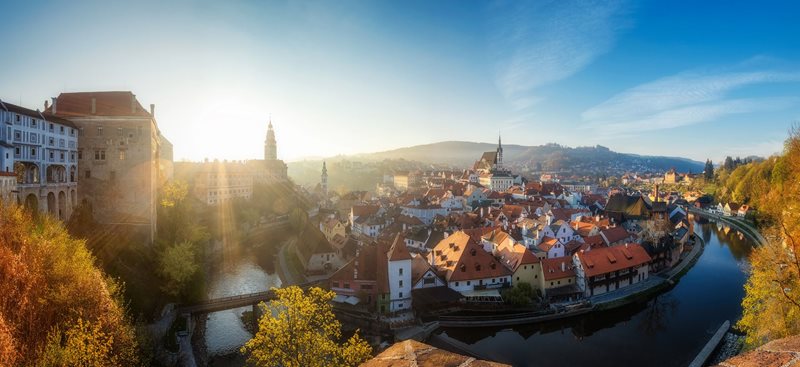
(43, 153)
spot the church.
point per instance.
(490, 170)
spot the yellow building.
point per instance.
(526, 267)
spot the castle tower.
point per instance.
(270, 146)
(324, 179)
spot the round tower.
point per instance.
(324, 179)
(270, 145)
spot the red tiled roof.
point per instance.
(398, 251)
(608, 259)
(362, 210)
(464, 259)
(116, 103)
(552, 268)
(615, 234)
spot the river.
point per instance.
(667, 330)
(225, 333)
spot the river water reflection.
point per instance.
(668, 330)
(225, 332)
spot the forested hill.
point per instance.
(550, 156)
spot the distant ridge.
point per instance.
(551, 156)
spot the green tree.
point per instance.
(299, 329)
(729, 165)
(708, 171)
(177, 265)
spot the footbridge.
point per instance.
(227, 303)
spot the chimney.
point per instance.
(152, 110)
(46, 105)
(563, 266)
(54, 104)
(133, 103)
(94, 105)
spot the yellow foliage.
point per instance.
(771, 307)
(48, 281)
(300, 330)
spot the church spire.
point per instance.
(499, 152)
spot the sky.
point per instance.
(676, 78)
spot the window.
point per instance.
(99, 130)
(401, 282)
(17, 118)
(347, 285)
(80, 153)
(62, 156)
(51, 141)
(33, 122)
(100, 155)
(52, 127)
(71, 131)
(51, 155)
(16, 151)
(88, 174)
(62, 129)
(17, 135)
(401, 271)
(33, 152)
(72, 156)
(469, 282)
(401, 294)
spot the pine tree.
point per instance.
(708, 171)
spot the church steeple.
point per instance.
(499, 152)
(270, 145)
(324, 179)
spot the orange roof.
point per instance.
(519, 255)
(399, 251)
(615, 234)
(116, 103)
(557, 268)
(362, 210)
(547, 243)
(608, 259)
(463, 258)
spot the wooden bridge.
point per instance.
(227, 303)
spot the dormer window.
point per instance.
(477, 267)
(472, 252)
(463, 268)
(493, 266)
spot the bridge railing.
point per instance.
(265, 294)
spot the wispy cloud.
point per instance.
(537, 43)
(685, 99)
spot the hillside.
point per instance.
(552, 157)
(363, 171)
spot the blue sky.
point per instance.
(340, 77)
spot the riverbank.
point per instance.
(751, 232)
(679, 319)
(654, 285)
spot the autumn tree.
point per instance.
(55, 304)
(299, 329)
(771, 307)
